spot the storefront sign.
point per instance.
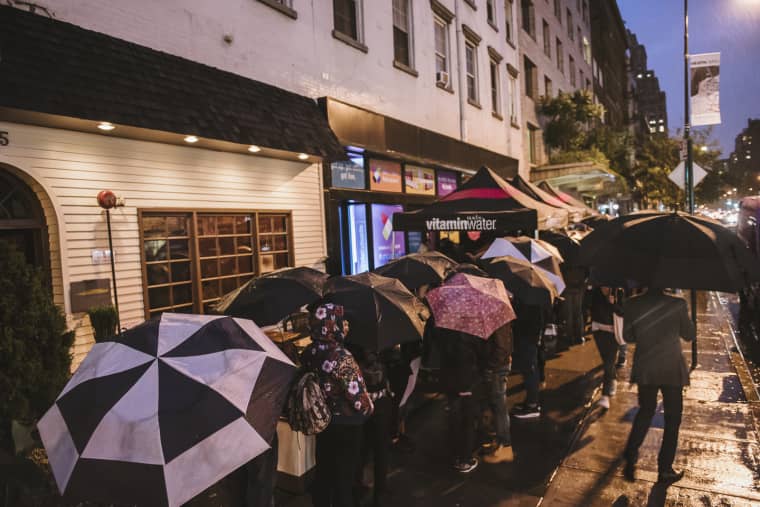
(347, 175)
(387, 245)
(447, 182)
(385, 175)
(419, 180)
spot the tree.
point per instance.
(570, 117)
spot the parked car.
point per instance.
(748, 230)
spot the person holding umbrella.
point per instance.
(498, 360)
(338, 446)
(528, 329)
(603, 308)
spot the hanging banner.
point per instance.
(705, 89)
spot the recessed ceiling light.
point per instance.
(303, 156)
(105, 125)
(254, 149)
(191, 139)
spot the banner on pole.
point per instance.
(705, 89)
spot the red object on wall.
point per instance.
(106, 199)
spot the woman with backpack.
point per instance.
(339, 445)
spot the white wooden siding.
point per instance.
(72, 167)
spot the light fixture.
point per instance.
(191, 139)
(303, 156)
(106, 125)
(254, 149)
(703, 148)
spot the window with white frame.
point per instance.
(571, 70)
(471, 64)
(570, 33)
(441, 34)
(586, 51)
(513, 99)
(560, 57)
(558, 10)
(347, 18)
(491, 13)
(547, 39)
(402, 32)
(509, 9)
(547, 87)
(528, 17)
(495, 88)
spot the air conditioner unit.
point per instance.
(442, 78)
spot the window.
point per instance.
(471, 62)
(509, 6)
(570, 34)
(585, 12)
(558, 10)
(578, 5)
(532, 148)
(495, 86)
(491, 13)
(581, 80)
(588, 84)
(547, 86)
(560, 57)
(284, 6)
(402, 32)
(580, 40)
(191, 259)
(513, 99)
(531, 87)
(528, 18)
(441, 32)
(346, 16)
(586, 51)
(547, 39)
(571, 70)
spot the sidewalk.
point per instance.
(718, 442)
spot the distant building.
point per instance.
(609, 43)
(650, 107)
(745, 159)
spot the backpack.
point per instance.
(307, 408)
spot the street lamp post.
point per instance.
(688, 172)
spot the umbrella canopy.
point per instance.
(568, 247)
(471, 304)
(596, 221)
(566, 198)
(670, 250)
(522, 247)
(575, 213)
(165, 410)
(270, 298)
(526, 281)
(381, 311)
(469, 269)
(484, 203)
(417, 269)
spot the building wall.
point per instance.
(68, 169)
(301, 55)
(547, 65)
(609, 47)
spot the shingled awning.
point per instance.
(56, 68)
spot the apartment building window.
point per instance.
(585, 12)
(347, 21)
(513, 97)
(571, 70)
(402, 33)
(495, 88)
(570, 34)
(547, 39)
(578, 5)
(560, 57)
(528, 17)
(558, 10)
(586, 51)
(532, 147)
(588, 84)
(284, 6)
(547, 87)
(190, 259)
(531, 86)
(509, 7)
(580, 40)
(491, 13)
(441, 33)
(581, 80)
(471, 64)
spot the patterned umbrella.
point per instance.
(526, 281)
(471, 304)
(537, 252)
(165, 410)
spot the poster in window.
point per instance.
(347, 174)
(385, 176)
(419, 180)
(387, 244)
(447, 182)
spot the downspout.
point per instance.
(460, 74)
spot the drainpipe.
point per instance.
(460, 73)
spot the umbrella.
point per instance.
(268, 299)
(522, 247)
(526, 281)
(166, 409)
(566, 198)
(675, 250)
(417, 269)
(568, 247)
(471, 304)
(469, 269)
(381, 311)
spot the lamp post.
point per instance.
(688, 172)
(108, 200)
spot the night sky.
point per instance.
(731, 27)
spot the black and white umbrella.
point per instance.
(163, 411)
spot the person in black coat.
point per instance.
(498, 360)
(603, 308)
(527, 330)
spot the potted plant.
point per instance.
(104, 322)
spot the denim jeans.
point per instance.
(498, 399)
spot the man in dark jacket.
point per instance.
(498, 359)
(527, 330)
(655, 322)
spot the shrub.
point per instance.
(104, 321)
(35, 359)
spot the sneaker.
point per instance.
(524, 411)
(613, 388)
(465, 467)
(604, 402)
(669, 477)
(502, 454)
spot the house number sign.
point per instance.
(4, 138)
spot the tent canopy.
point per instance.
(565, 197)
(575, 214)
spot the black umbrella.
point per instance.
(417, 269)
(469, 269)
(670, 250)
(270, 298)
(567, 246)
(381, 312)
(161, 412)
(526, 281)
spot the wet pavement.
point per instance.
(718, 443)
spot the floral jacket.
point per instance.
(339, 374)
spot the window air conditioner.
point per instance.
(442, 78)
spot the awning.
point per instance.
(566, 198)
(575, 214)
